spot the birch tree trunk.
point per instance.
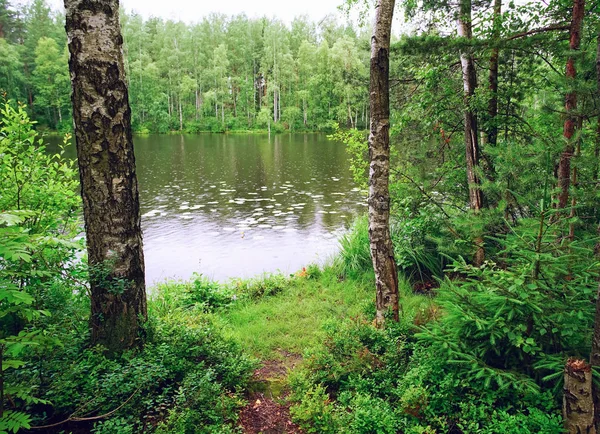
(180, 115)
(470, 118)
(382, 251)
(102, 119)
(570, 125)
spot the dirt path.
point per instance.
(267, 411)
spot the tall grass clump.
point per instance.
(418, 254)
(355, 254)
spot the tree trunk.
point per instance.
(109, 188)
(570, 125)
(382, 251)
(180, 115)
(597, 145)
(275, 111)
(197, 104)
(578, 405)
(471, 129)
(305, 112)
(492, 134)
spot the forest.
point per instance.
(220, 74)
(466, 300)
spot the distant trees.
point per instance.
(109, 189)
(213, 75)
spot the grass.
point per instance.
(275, 315)
(292, 320)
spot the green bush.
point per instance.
(209, 293)
(368, 380)
(264, 286)
(514, 326)
(184, 377)
(38, 219)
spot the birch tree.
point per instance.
(382, 250)
(109, 188)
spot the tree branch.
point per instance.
(540, 30)
(87, 419)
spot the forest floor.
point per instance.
(279, 330)
(267, 410)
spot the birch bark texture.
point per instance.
(382, 250)
(102, 120)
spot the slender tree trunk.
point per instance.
(305, 112)
(471, 130)
(492, 134)
(234, 96)
(275, 103)
(570, 125)
(109, 188)
(180, 115)
(382, 250)
(597, 144)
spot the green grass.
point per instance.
(274, 315)
(292, 320)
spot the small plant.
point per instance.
(210, 294)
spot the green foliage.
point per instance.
(315, 413)
(489, 355)
(418, 239)
(267, 285)
(36, 252)
(505, 326)
(355, 253)
(365, 380)
(184, 378)
(357, 147)
(13, 421)
(220, 74)
(210, 294)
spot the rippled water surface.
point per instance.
(240, 205)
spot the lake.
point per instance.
(239, 205)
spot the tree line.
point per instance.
(221, 73)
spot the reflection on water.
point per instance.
(240, 205)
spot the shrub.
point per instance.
(184, 376)
(39, 207)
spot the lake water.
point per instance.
(241, 205)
